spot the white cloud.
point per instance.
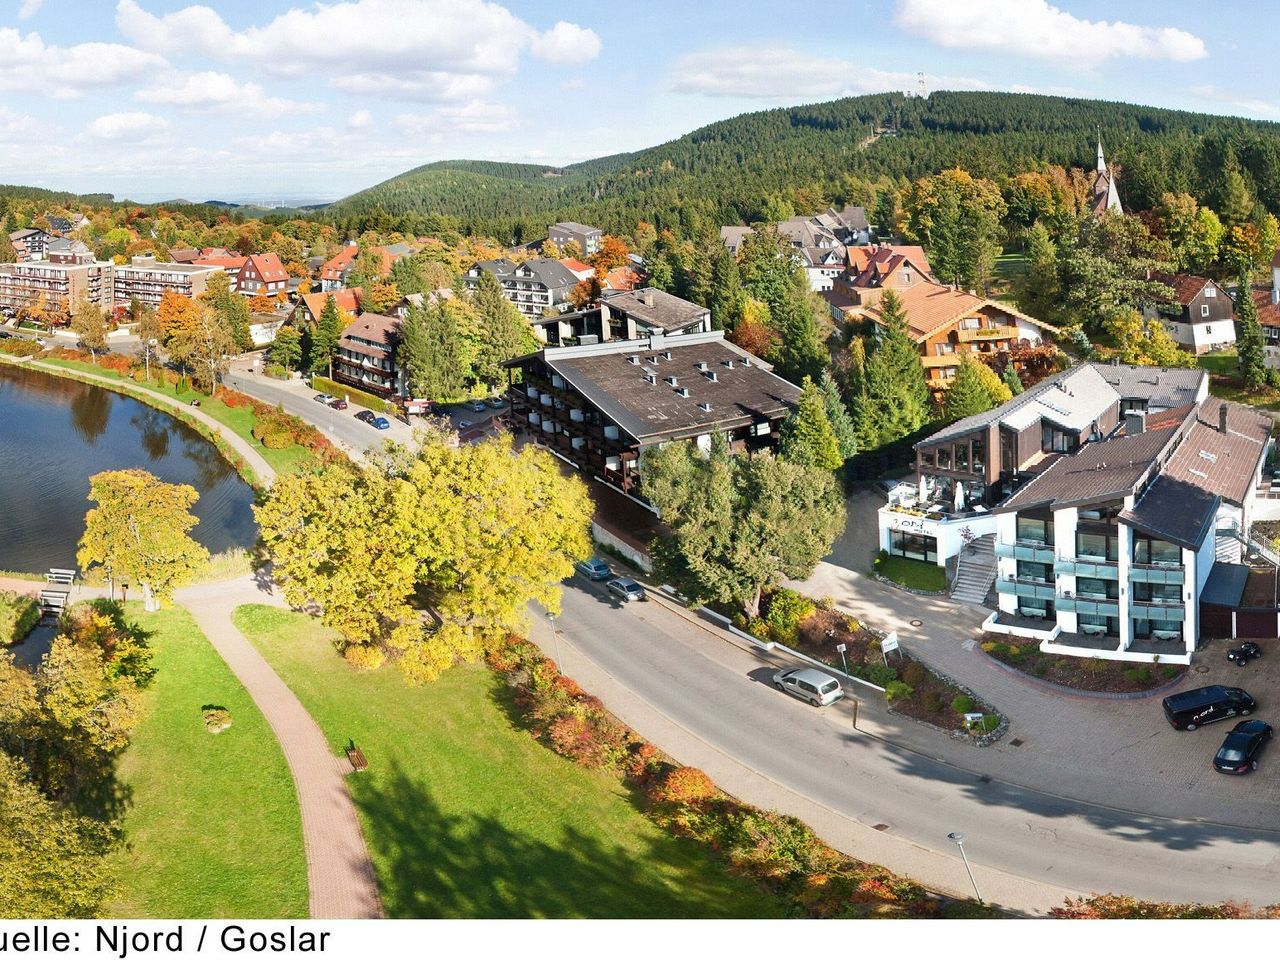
(478, 116)
(567, 43)
(360, 120)
(1249, 106)
(436, 50)
(212, 91)
(27, 63)
(787, 74)
(29, 9)
(135, 126)
(1034, 28)
(20, 127)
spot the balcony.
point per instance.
(1026, 589)
(1026, 550)
(987, 333)
(1157, 609)
(1088, 567)
(1097, 606)
(1157, 573)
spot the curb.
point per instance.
(1061, 690)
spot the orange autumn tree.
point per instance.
(613, 253)
(176, 314)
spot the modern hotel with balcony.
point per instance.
(598, 406)
(1107, 494)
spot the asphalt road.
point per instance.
(721, 694)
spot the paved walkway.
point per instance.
(264, 471)
(340, 874)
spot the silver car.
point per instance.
(806, 683)
(626, 588)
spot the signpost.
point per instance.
(889, 643)
(840, 648)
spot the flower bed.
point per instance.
(779, 852)
(1080, 673)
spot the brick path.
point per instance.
(340, 874)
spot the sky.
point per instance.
(261, 100)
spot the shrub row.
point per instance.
(20, 348)
(19, 614)
(779, 852)
(325, 385)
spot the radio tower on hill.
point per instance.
(923, 90)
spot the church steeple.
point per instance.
(1102, 161)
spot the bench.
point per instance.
(58, 575)
(356, 756)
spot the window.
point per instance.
(926, 458)
(1204, 309)
(1097, 589)
(1151, 550)
(1211, 291)
(1034, 530)
(1097, 546)
(970, 323)
(962, 457)
(1093, 624)
(944, 458)
(945, 347)
(980, 455)
(913, 546)
(1030, 570)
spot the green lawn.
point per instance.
(240, 419)
(1224, 382)
(912, 573)
(466, 815)
(211, 821)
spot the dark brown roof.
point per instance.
(1181, 513)
(743, 393)
(1186, 287)
(656, 308)
(1102, 470)
(1225, 464)
(1268, 310)
(373, 326)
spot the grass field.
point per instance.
(211, 821)
(915, 574)
(466, 815)
(1224, 382)
(240, 419)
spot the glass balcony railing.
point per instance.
(1157, 609)
(1097, 569)
(1094, 605)
(1156, 573)
(1026, 550)
(1021, 587)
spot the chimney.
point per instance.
(1135, 422)
(704, 407)
(1222, 417)
(647, 297)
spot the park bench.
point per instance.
(356, 756)
(60, 575)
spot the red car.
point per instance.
(338, 403)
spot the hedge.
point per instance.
(19, 613)
(325, 385)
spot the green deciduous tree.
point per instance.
(958, 218)
(90, 325)
(1037, 289)
(139, 532)
(286, 348)
(808, 438)
(205, 346)
(739, 525)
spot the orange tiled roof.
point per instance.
(622, 278)
(335, 265)
(227, 262)
(348, 300)
(931, 306)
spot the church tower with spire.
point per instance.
(1105, 197)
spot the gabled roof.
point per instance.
(862, 257)
(1268, 309)
(572, 227)
(577, 267)
(268, 267)
(1186, 287)
(1225, 464)
(655, 308)
(1098, 471)
(622, 278)
(1175, 511)
(377, 327)
(337, 265)
(229, 263)
(550, 272)
(931, 306)
(347, 300)
(184, 255)
(1160, 387)
(733, 236)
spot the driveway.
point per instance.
(892, 796)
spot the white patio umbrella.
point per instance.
(959, 500)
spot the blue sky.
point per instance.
(155, 99)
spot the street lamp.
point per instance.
(551, 618)
(151, 343)
(958, 840)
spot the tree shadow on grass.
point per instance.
(435, 864)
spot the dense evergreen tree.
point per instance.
(1012, 380)
(966, 395)
(896, 402)
(431, 352)
(323, 340)
(502, 331)
(1250, 345)
(808, 438)
(838, 415)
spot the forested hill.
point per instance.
(748, 167)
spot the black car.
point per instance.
(1242, 654)
(1239, 752)
(367, 416)
(1195, 708)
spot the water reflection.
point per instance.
(55, 434)
(91, 411)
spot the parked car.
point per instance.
(1195, 708)
(477, 406)
(325, 398)
(816, 687)
(382, 423)
(626, 588)
(593, 569)
(1242, 654)
(338, 403)
(366, 416)
(1239, 752)
(496, 403)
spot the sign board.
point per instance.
(841, 648)
(906, 523)
(973, 719)
(890, 642)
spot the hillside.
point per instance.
(730, 170)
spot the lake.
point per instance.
(56, 433)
